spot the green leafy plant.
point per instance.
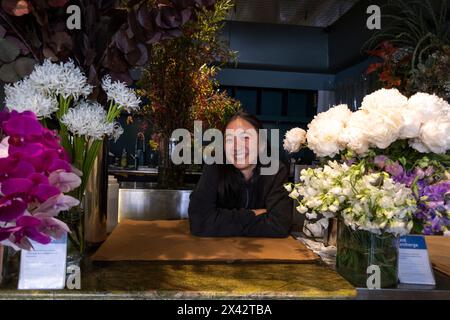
(412, 46)
(178, 81)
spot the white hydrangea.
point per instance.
(23, 96)
(64, 79)
(122, 95)
(88, 119)
(324, 130)
(372, 202)
(294, 139)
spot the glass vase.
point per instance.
(9, 266)
(170, 176)
(359, 249)
(74, 218)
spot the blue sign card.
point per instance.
(414, 261)
(44, 267)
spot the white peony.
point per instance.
(294, 139)
(421, 107)
(435, 135)
(354, 135)
(384, 99)
(325, 129)
(383, 127)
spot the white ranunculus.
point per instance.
(435, 135)
(325, 129)
(294, 139)
(384, 99)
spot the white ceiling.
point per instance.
(314, 13)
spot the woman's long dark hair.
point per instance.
(229, 188)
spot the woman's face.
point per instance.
(241, 144)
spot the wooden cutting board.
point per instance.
(170, 240)
(439, 251)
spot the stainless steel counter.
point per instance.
(153, 204)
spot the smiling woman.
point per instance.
(235, 199)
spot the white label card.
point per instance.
(44, 267)
(414, 262)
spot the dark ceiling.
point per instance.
(313, 13)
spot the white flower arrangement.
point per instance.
(371, 202)
(385, 117)
(88, 119)
(294, 139)
(120, 94)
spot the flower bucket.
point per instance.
(357, 250)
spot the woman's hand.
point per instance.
(259, 211)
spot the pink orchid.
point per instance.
(35, 172)
(56, 204)
(4, 146)
(64, 181)
(51, 226)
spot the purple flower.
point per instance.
(11, 208)
(394, 169)
(380, 161)
(27, 227)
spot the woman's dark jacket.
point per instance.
(209, 219)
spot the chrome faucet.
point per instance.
(139, 153)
